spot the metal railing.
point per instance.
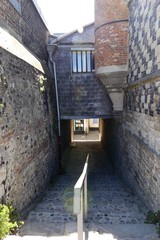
(80, 199)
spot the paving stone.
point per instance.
(113, 210)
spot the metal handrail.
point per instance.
(80, 196)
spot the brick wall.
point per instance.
(26, 25)
(106, 11)
(111, 45)
(111, 32)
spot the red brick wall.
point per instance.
(27, 24)
(111, 39)
(110, 10)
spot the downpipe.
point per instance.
(53, 71)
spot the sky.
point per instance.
(63, 16)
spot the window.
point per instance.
(16, 4)
(83, 61)
(79, 126)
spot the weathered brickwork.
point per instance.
(144, 38)
(133, 144)
(27, 140)
(139, 144)
(144, 98)
(107, 11)
(111, 41)
(28, 125)
(27, 26)
(136, 136)
(111, 33)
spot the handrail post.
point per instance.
(80, 198)
(85, 198)
(80, 220)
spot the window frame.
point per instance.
(83, 57)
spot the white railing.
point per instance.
(80, 199)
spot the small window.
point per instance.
(83, 61)
(16, 4)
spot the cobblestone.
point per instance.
(111, 206)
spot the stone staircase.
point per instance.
(113, 211)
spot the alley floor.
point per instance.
(92, 136)
(114, 213)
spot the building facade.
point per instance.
(81, 95)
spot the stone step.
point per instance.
(92, 231)
(107, 203)
(129, 231)
(116, 231)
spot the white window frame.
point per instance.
(82, 65)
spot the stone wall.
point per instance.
(27, 141)
(136, 135)
(65, 135)
(80, 95)
(133, 155)
(28, 124)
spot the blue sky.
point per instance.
(66, 15)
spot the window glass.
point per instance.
(74, 64)
(79, 61)
(84, 61)
(16, 4)
(88, 61)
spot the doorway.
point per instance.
(86, 130)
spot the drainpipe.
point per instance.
(52, 67)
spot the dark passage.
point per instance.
(75, 156)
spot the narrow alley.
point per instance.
(114, 212)
(57, 90)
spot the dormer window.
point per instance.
(83, 61)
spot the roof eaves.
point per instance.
(40, 13)
(69, 33)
